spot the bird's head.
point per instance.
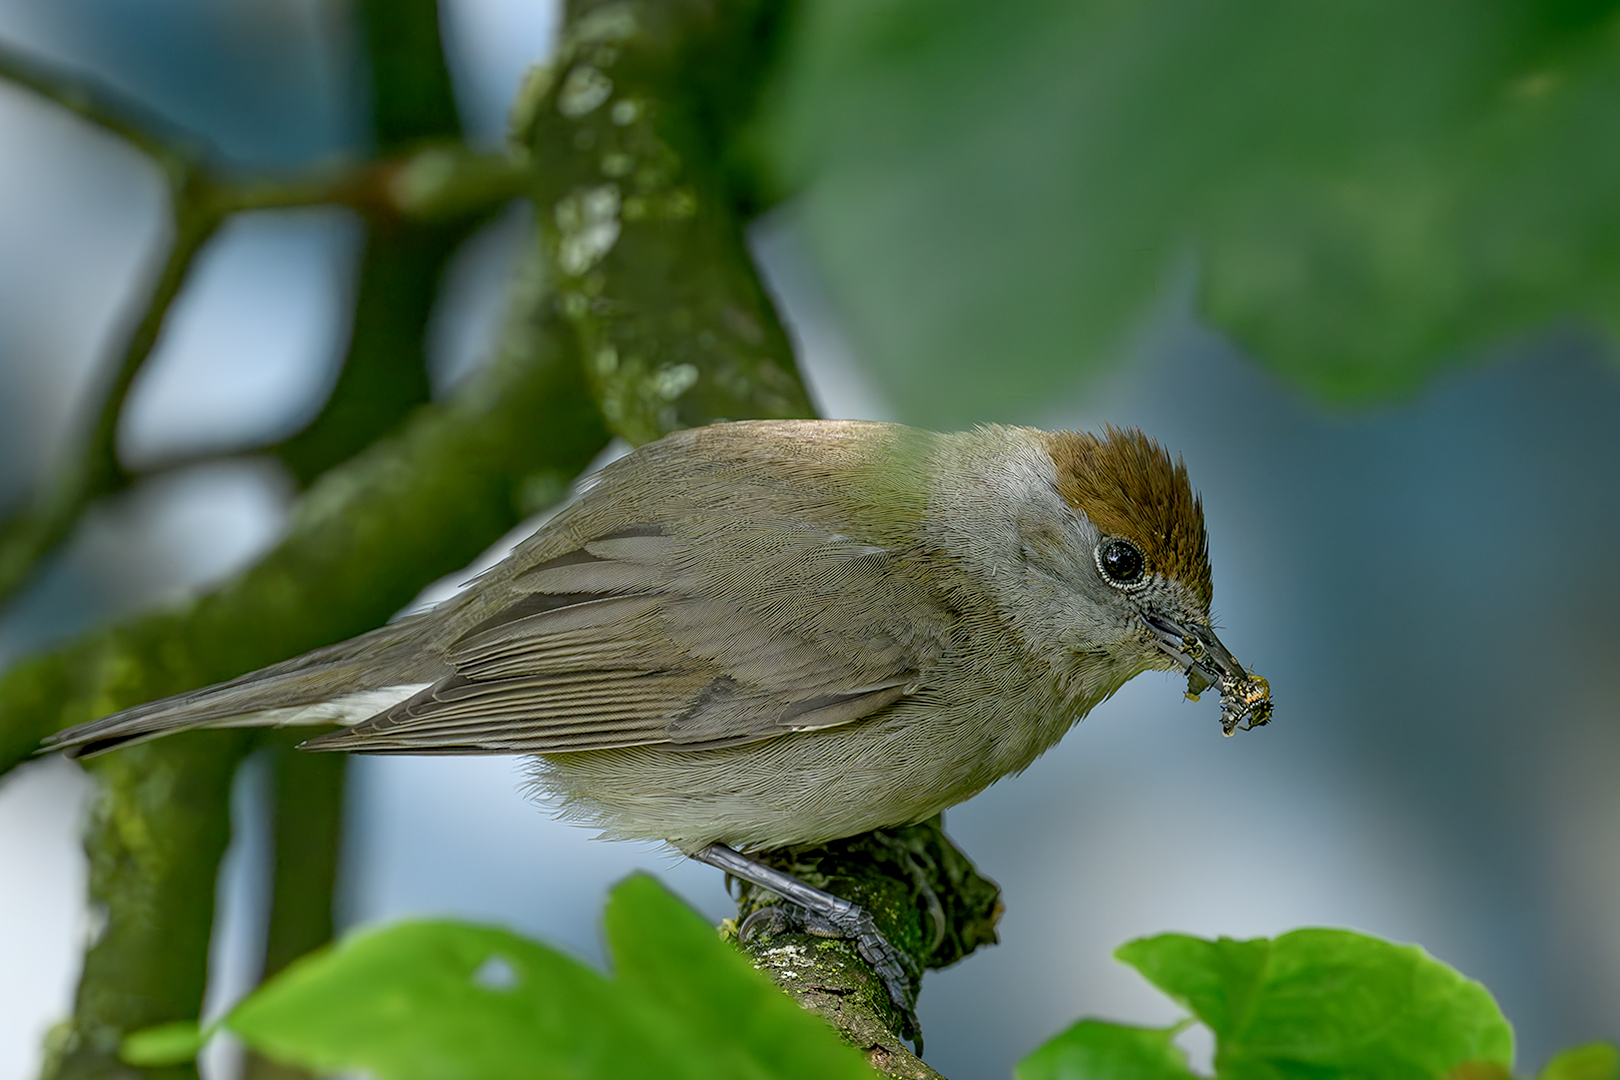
(1142, 526)
(1101, 556)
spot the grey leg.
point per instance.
(838, 918)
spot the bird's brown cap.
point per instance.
(1127, 485)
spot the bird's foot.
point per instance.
(854, 923)
(823, 914)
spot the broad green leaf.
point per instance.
(165, 1044)
(1594, 1061)
(439, 999)
(445, 1001)
(664, 951)
(1367, 191)
(1093, 1050)
(1326, 1002)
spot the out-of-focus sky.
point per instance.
(1428, 585)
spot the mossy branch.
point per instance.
(642, 231)
(925, 896)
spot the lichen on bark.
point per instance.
(923, 893)
(637, 217)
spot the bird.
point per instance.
(764, 634)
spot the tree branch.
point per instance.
(924, 894)
(32, 533)
(636, 216)
(442, 187)
(156, 835)
(114, 112)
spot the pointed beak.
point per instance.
(1245, 696)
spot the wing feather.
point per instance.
(707, 635)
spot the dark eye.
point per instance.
(1120, 561)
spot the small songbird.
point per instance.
(772, 633)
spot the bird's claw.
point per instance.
(852, 922)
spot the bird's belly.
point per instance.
(803, 787)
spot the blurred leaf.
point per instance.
(1479, 1070)
(1093, 1050)
(165, 1044)
(1326, 1003)
(442, 1000)
(661, 950)
(997, 195)
(1594, 1061)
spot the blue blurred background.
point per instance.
(1431, 588)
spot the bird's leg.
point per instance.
(832, 916)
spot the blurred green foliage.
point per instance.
(1594, 1061)
(446, 1000)
(1367, 191)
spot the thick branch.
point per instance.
(927, 899)
(155, 838)
(643, 234)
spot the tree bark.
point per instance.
(924, 894)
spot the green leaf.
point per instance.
(445, 1001)
(1479, 1070)
(165, 1044)
(1594, 1061)
(1093, 1050)
(1368, 192)
(1326, 1002)
(663, 950)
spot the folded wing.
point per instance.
(688, 637)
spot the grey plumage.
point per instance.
(758, 633)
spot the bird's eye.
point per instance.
(1121, 562)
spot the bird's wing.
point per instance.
(691, 635)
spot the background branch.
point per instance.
(90, 100)
(306, 843)
(639, 219)
(36, 530)
(425, 198)
(155, 838)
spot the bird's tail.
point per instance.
(339, 684)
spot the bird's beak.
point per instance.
(1244, 695)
